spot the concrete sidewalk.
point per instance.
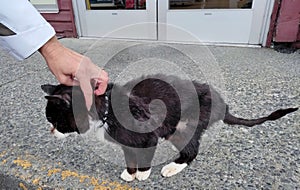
(253, 81)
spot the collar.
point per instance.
(102, 123)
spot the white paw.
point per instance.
(172, 169)
(58, 134)
(127, 177)
(143, 175)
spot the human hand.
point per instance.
(71, 68)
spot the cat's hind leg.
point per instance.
(187, 155)
(172, 169)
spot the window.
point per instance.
(210, 4)
(116, 4)
(45, 6)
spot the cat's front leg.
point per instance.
(144, 159)
(138, 162)
(143, 173)
(129, 174)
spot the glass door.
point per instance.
(212, 21)
(130, 19)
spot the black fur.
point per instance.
(139, 147)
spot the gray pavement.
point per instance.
(253, 81)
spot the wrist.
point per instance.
(50, 48)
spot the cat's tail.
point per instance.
(232, 120)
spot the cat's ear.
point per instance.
(48, 88)
(59, 99)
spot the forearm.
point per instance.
(31, 30)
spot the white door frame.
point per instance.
(260, 13)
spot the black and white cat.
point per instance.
(175, 121)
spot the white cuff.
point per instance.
(24, 44)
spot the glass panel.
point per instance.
(210, 4)
(116, 4)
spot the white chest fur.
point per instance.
(96, 131)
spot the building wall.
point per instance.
(285, 26)
(63, 21)
(284, 22)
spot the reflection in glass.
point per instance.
(210, 4)
(116, 4)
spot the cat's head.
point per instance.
(66, 109)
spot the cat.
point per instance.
(181, 120)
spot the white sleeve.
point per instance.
(31, 30)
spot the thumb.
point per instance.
(85, 73)
(87, 92)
